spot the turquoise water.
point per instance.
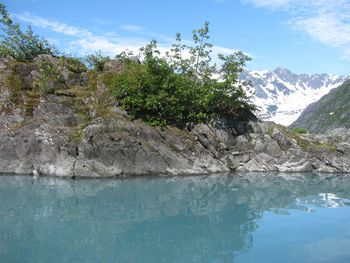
(218, 218)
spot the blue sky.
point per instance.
(306, 36)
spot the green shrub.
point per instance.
(301, 130)
(176, 90)
(96, 61)
(155, 93)
(22, 46)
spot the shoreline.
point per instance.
(170, 176)
(80, 130)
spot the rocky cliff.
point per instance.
(58, 119)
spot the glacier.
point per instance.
(282, 95)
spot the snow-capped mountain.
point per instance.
(282, 95)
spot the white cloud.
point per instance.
(269, 3)
(52, 25)
(81, 41)
(327, 28)
(346, 55)
(327, 21)
(132, 28)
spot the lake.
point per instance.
(253, 217)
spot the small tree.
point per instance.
(96, 61)
(177, 89)
(22, 46)
(200, 53)
(232, 65)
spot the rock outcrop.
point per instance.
(75, 129)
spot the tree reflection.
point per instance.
(177, 219)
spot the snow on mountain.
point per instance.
(282, 95)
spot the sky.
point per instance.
(305, 36)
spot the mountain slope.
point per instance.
(282, 95)
(331, 111)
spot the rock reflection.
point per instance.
(178, 219)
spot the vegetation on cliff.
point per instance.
(21, 45)
(175, 88)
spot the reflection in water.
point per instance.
(178, 219)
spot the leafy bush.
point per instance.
(96, 61)
(154, 93)
(175, 90)
(301, 130)
(22, 46)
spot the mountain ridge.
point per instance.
(282, 94)
(330, 112)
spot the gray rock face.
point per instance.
(74, 133)
(118, 147)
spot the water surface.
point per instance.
(218, 218)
